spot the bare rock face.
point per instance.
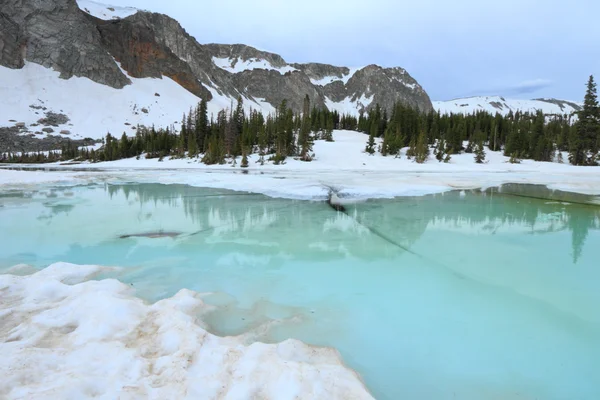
(387, 86)
(57, 34)
(317, 71)
(12, 43)
(275, 87)
(132, 41)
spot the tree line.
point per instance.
(233, 133)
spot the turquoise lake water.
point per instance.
(452, 296)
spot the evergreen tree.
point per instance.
(479, 151)
(370, 149)
(588, 129)
(422, 148)
(440, 150)
(304, 139)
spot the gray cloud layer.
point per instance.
(522, 48)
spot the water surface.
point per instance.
(461, 295)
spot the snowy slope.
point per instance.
(105, 11)
(498, 104)
(235, 65)
(96, 109)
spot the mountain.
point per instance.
(101, 68)
(497, 104)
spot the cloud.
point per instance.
(527, 87)
(517, 89)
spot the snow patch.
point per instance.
(105, 11)
(235, 65)
(64, 336)
(330, 79)
(348, 105)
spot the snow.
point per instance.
(235, 65)
(348, 105)
(64, 335)
(95, 109)
(497, 104)
(221, 102)
(105, 11)
(342, 164)
(330, 79)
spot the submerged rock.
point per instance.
(152, 235)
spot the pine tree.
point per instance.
(588, 129)
(193, 147)
(440, 150)
(479, 151)
(370, 149)
(304, 139)
(422, 149)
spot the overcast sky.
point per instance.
(515, 48)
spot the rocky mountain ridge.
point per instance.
(85, 38)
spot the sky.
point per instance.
(514, 48)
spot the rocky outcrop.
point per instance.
(565, 106)
(386, 86)
(317, 71)
(133, 43)
(57, 35)
(275, 87)
(12, 43)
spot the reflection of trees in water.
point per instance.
(261, 225)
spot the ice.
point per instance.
(113, 345)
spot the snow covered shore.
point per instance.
(65, 336)
(342, 164)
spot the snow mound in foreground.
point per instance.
(65, 336)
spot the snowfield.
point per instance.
(342, 164)
(498, 104)
(29, 93)
(113, 345)
(105, 11)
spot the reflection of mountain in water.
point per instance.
(261, 225)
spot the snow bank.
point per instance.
(342, 164)
(105, 11)
(235, 65)
(64, 336)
